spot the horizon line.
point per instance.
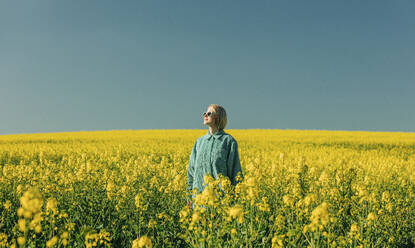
(160, 129)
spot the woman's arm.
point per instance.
(190, 169)
(233, 163)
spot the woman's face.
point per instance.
(209, 120)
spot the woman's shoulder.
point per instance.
(229, 138)
(200, 138)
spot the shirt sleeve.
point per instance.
(234, 164)
(190, 169)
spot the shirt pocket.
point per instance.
(220, 156)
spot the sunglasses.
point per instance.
(208, 113)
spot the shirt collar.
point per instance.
(216, 135)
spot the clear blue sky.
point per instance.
(103, 65)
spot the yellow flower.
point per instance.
(195, 217)
(371, 217)
(35, 221)
(279, 222)
(52, 242)
(207, 197)
(276, 242)
(288, 200)
(64, 235)
(38, 229)
(236, 212)
(110, 190)
(143, 241)
(52, 205)
(20, 212)
(324, 178)
(354, 231)
(251, 182)
(385, 196)
(31, 202)
(319, 218)
(7, 205)
(21, 240)
(184, 213)
(3, 240)
(264, 206)
(152, 223)
(22, 225)
(139, 202)
(19, 189)
(27, 214)
(91, 240)
(320, 214)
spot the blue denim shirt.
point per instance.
(213, 154)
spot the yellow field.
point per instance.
(127, 189)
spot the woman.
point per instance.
(214, 153)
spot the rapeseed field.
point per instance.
(301, 188)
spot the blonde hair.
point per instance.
(220, 117)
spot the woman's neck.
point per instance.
(213, 130)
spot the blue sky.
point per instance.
(103, 65)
